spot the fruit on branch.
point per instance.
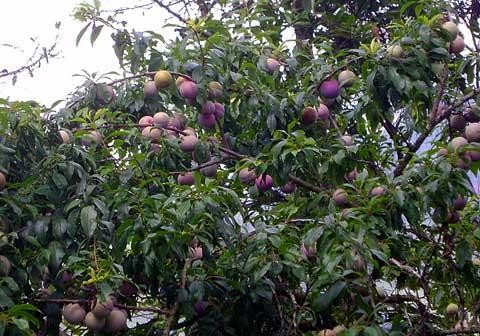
(66, 136)
(189, 131)
(103, 309)
(472, 132)
(289, 187)
(463, 162)
(330, 89)
(206, 120)
(452, 309)
(215, 90)
(5, 266)
(179, 81)
(186, 179)
(459, 203)
(181, 121)
(443, 152)
(208, 107)
(309, 115)
(146, 121)
(93, 136)
(210, 170)
(247, 176)
(395, 51)
(264, 182)
(323, 112)
(457, 122)
(352, 175)
(188, 89)
(200, 308)
(347, 140)
(116, 321)
(457, 45)
(453, 217)
(163, 79)
(474, 155)
(457, 143)
(272, 65)
(346, 78)
(359, 264)
(326, 332)
(104, 95)
(73, 313)
(156, 148)
(378, 191)
(219, 111)
(161, 119)
(93, 322)
(3, 181)
(452, 29)
(187, 143)
(152, 133)
(150, 90)
(339, 197)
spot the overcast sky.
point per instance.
(25, 19)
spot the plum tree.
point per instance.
(312, 170)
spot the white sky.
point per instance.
(23, 19)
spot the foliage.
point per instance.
(84, 218)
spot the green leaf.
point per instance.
(323, 301)
(81, 33)
(463, 253)
(96, 30)
(88, 220)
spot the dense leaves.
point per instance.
(354, 219)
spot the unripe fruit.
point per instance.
(188, 89)
(187, 143)
(74, 313)
(459, 203)
(186, 179)
(443, 152)
(272, 65)
(458, 122)
(116, 321)
(206, 120)
(378, 191)
(340, 197)
(215, 89)
(451, 28)
(105, 94)
(152, 133)
(347, 140)
(346, 78)
(359, 264)
(208, 107)
(93, 322)
(5, 266)
(452, 309)
(145, 121)
(161, 119)
(209, 171)
(3, 181)
(330, 89)
(264, 182)
(179, 81)
(93, 136)
(326, 332)
(150, 90)
(66, 136)
(247, 176)
(309, 115)
(219, 111)
(323, 112)
(200, 308)
(163, 79)
(289, 187)
(395, 51)
(458, 142)
(472, 132)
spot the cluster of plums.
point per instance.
(470, 136)
(103, 316)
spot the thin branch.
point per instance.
(168, 9)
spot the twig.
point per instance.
(173, 311)
(167, 8)
(405, 268)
